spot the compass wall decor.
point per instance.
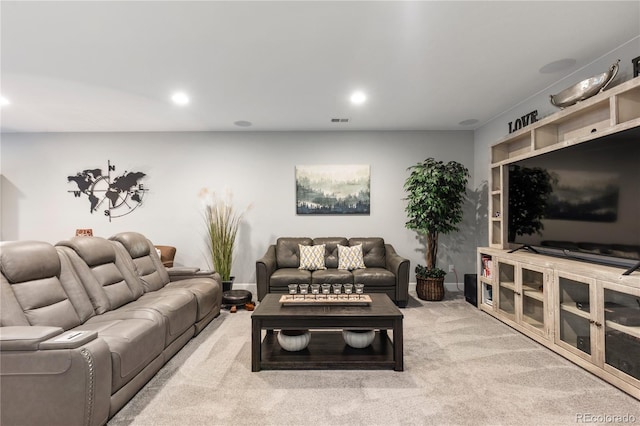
(116, 196)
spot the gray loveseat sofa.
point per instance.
(86, 324)
(385, 272)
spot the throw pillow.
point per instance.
(311, 257)
(350, 257)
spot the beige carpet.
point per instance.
(462, 367)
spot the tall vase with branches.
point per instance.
(222, 221)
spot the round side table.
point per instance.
(234, 298)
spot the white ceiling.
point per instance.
(112, 66)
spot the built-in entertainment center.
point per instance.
(564, 234)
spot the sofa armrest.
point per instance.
(47, 383)
(185, 273)
(182, 270)
(265, 266)
(26, 338)
(400, 268)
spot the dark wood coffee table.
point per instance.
(327, 349)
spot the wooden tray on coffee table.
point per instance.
(322, 299)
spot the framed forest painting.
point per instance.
(333, 189)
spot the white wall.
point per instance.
(498, 128)
(258, 167)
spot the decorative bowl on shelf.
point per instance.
(294, 340)
(585, 89)
(358, 338)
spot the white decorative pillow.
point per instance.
(311, 257)
(350, 257)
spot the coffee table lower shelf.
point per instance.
(328, 350)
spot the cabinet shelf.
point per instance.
(533, 322)
(633, 331)
(508, 285)
(613, 110)
(572, 309)
(533, 294)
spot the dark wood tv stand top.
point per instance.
(327, 349)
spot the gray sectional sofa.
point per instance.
(385, 272)
(86, 324)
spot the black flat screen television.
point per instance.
(581, 202)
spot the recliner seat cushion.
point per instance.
(133, 343)
(208, 294)
(179, 306)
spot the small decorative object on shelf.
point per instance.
(294, 340)
(358, 338)
(585, 89)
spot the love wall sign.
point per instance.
(523, 121)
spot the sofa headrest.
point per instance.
(287, 251)
(93, 250)
(373, 250)
(22, 261)
(136, 244)
(331, 249)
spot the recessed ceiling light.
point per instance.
(557, 66)
(358, 98)
(4, 101)
(469, 122)
(243, 123)
(180, 98)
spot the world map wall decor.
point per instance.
(116, 196)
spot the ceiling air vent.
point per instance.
(339, 120)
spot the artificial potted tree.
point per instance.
(222, 221)
(435, 200)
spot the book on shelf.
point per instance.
(487, 266)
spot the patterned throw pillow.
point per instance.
(311, 257)
(350, 257)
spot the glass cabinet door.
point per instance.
(507, 289)
(533, 309)
(622, 332)
(575, 321)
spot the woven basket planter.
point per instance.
(431, 289)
